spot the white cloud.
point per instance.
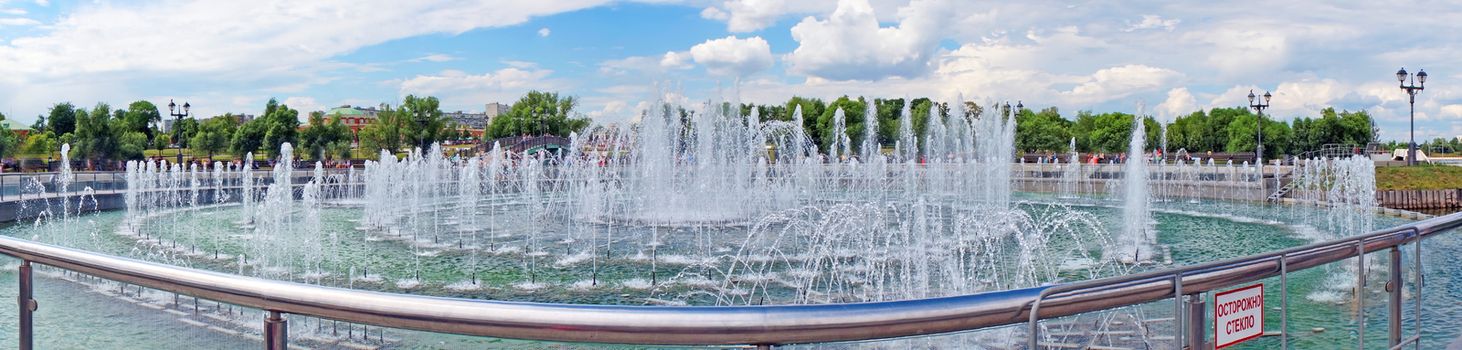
(1151, 22)
(226, 44)
(1265, 50)
(743, 16)
(544, 32)
(1120, 82)
(1075, 56)
(18, 22)
(851, 45)
(1304, 95)
(436, 57)
(520, 64)
(676, 60)
(749, 15)
(1452, 111)
(13, 11)
(733, 56)
(258, 35)
(715, 13)
(304, 104)
(612, 110)
(1180, 102)
(1235, 96)
(630, 66)
(464, 91)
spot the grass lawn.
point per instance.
(1423, 177)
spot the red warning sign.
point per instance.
(1238, 315)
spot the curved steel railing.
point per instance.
(707, 325)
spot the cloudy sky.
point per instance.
(1173, 57)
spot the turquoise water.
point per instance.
(108, 322)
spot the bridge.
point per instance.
(530, 144)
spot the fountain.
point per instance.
(1071, 174)
(1137, 240)
(701, 205)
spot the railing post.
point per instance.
(1360, 296)
(1417, 281)
(1393, 306)
(27, 307)
(276, 332)
(1283, 302)
(1195, 328)
(1179, 322)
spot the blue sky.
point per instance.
(1165, 58)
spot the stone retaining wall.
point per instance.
(1420, 199)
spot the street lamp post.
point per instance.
(1418, 83)
(177, 125)
(1009, 112)
(1259, 107)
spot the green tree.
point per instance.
(321, 138)
(1042, 131)
(1109, 132)
(539, 113)
(141, 116)
(766, 112)
(248, 138)
(95, 139)
(852, 120)
(213, 135)
(1356, 126)
(888, 119)
(1331, 127)
(424, 124)
(40, 143)
(1242, 134)
(40, 125)
(131, 144)
(921, 117)
(161, 142)
(65, 139)
(184, 130)
(9, 142)
(279, 125)
(62, 118)
(384, 133)
(812, 109)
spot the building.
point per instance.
(478, 121)
(14, 127)
(493, 110)
(468, 120)
(240, 118)
(355, 118)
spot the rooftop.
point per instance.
(345, 110)
(12, 125)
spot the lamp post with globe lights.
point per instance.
(1259, 107)
(177, 125)
(1418, 83)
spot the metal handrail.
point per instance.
(709, 325)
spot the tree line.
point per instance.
(1216, 130)
(103, 133)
